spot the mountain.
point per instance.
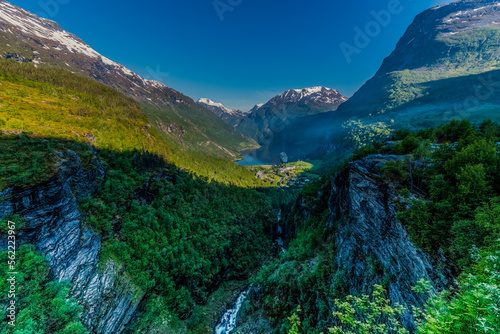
(365, 239)
(103, 234)
(271, 123)
(359, 215)
(445, 66)
(81, 214)
(307, 101)
(287, 106)
(230, 116)
(29, 38)
(256, 107)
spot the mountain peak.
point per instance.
(311, 90)
(216, 105)
(230, 116)
(52, 38)
(256, 107)
(210, 103)
(312, 99)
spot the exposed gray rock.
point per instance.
(256, 323)
(372, 246)
(252, 319)
(55, 226)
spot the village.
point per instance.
(287, 175)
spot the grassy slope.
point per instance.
(199, 133)
(205, 132)
(442, 74)
(59, 111)
(55, 103)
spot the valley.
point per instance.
(138, 210)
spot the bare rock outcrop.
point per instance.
(55, 226)
(372, 246)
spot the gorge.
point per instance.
(136, 209)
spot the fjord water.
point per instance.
(252, 158)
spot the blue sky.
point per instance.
(245, 51)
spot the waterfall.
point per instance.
(279, 240)
(229, 320)
(281, 244)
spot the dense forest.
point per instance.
(43, 304)
(55, 103)
(184, 226)
(179, 230)
(178, 236)
(448, 186)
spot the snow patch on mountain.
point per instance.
(314, 95)
(211, 105)
(53, 36)
(470, 18)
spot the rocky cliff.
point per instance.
(362, 244)
(372, 247)
(440, 69)
(55, 226)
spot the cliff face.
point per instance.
(447, 54)
(55, 226)
(372, 246)
(363, 245)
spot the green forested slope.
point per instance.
(448, 195)
(180, 222)
(178, 237)
(42, 306)
(182, 121)
(46, 102)
(446, 50)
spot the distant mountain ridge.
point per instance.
(25, 36)
(263, 121)
(443, 67)
(306, 101)
(289, 122)
(230, 116)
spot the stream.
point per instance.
(279, 240)
(229, 320)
